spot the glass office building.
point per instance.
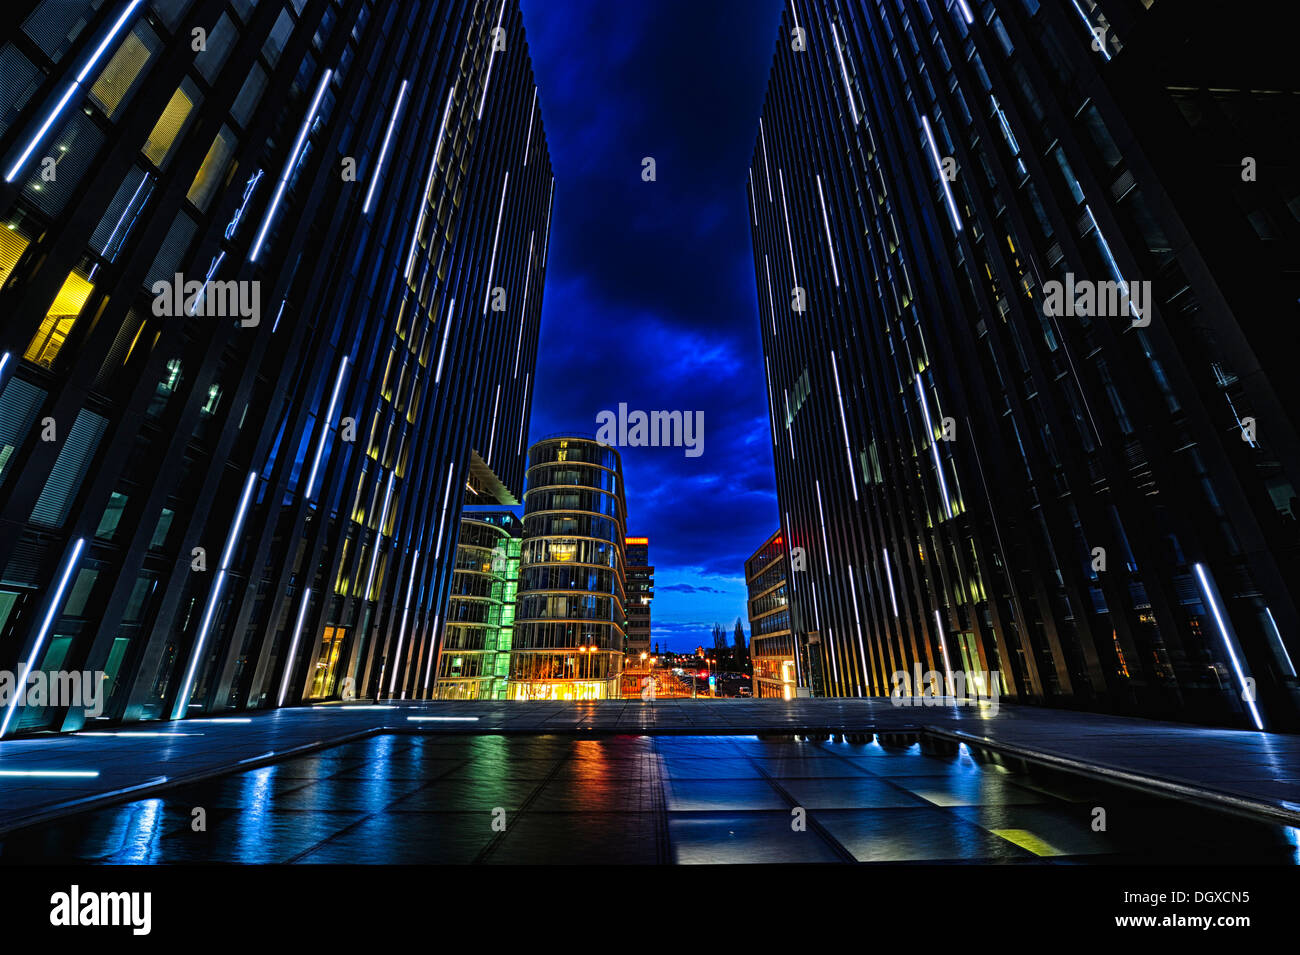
(778, 664)
(640, 592)
(271, 275)
(569, 618)
(474, 657)
(1025, 271)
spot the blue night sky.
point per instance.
(650, 294)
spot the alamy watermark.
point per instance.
(958, 688)
(1098, 299)
(71, 688)
(653, 429)
(177, 298)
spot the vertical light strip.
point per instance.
(785, 211)
(1273, 623)
(889, 577)
(1249, 697)
(546, 239)
(433, 645)
(523, 413)
(523, 310)
(939, 169)
(287, 173)
(428, 183)
(943, 645)
(753, 205)
(857, 620)
(830, 244)
(934, 446)
(767, 173)
(492, 55)
(965, 11)
(446, 332)
(770, 403)
(183, 699)
(451, 474)
(789, 422)
(1098, 41)
(532, 110)
(4, 361)
(379, 534)
(821, 516)
(848, 452)
(72, 87)
(401, 632)
(771, 302)
(379, 166)
(325, 426)
(844, 73)
(293, 646)
(56, 601)
(495, 239)
(492, 438)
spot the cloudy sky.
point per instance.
(650, 294)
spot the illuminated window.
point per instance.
(124, 70)
(62, 315)
(12, 247)
(210, 174)
(171, 124)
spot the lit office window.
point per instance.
(59, 319)
(209, 176)
(125, 70)
(171, 124)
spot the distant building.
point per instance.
(640, 591)
(771, 642)
(569, 621)
(474, 662)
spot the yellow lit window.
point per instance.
(120, 75)
(12, 247)
(169, 126)
(209, 176)
(45, 344)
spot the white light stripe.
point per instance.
(289, 165)
(379, 166)
(1278, 633)
(857, 620)
(767, 172)
(889, 576)
(523, 414)
(428, 184)
(1249, 697)
(785, 211)
(492, 437)
(546, 239)
(401, 632)
(54, 114)
(433, 644)
(451, 475)
(325, 426)
(523, 310)
(844, 74)
(830, 244)
(938, 168)
(43, 631)
(943, 645)
(789, 422)
(771, 405)
(934, 446)
(821, 516)
(446, 331)
(965, 11)
(51, 773)
(1093, 36)
(379, 535)
(183, 699)
(753, 205)
(442, 719)
(4, 360)
(531, 112)
(771, 302)
(848, 452)
(492, 55)
(495, 239)
(293, 646)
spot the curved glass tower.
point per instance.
(569, 619)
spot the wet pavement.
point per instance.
(409, 798)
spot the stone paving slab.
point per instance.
(1246, 771)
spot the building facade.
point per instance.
(271, 278)
(779, 665)
(569, 619)
(1024, 270)
(640, 592)
(474, 656)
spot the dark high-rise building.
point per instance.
(640, 591)
(474, 656)
(570, 613)
(272, 277)
(1025, 274)
(779, 666)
